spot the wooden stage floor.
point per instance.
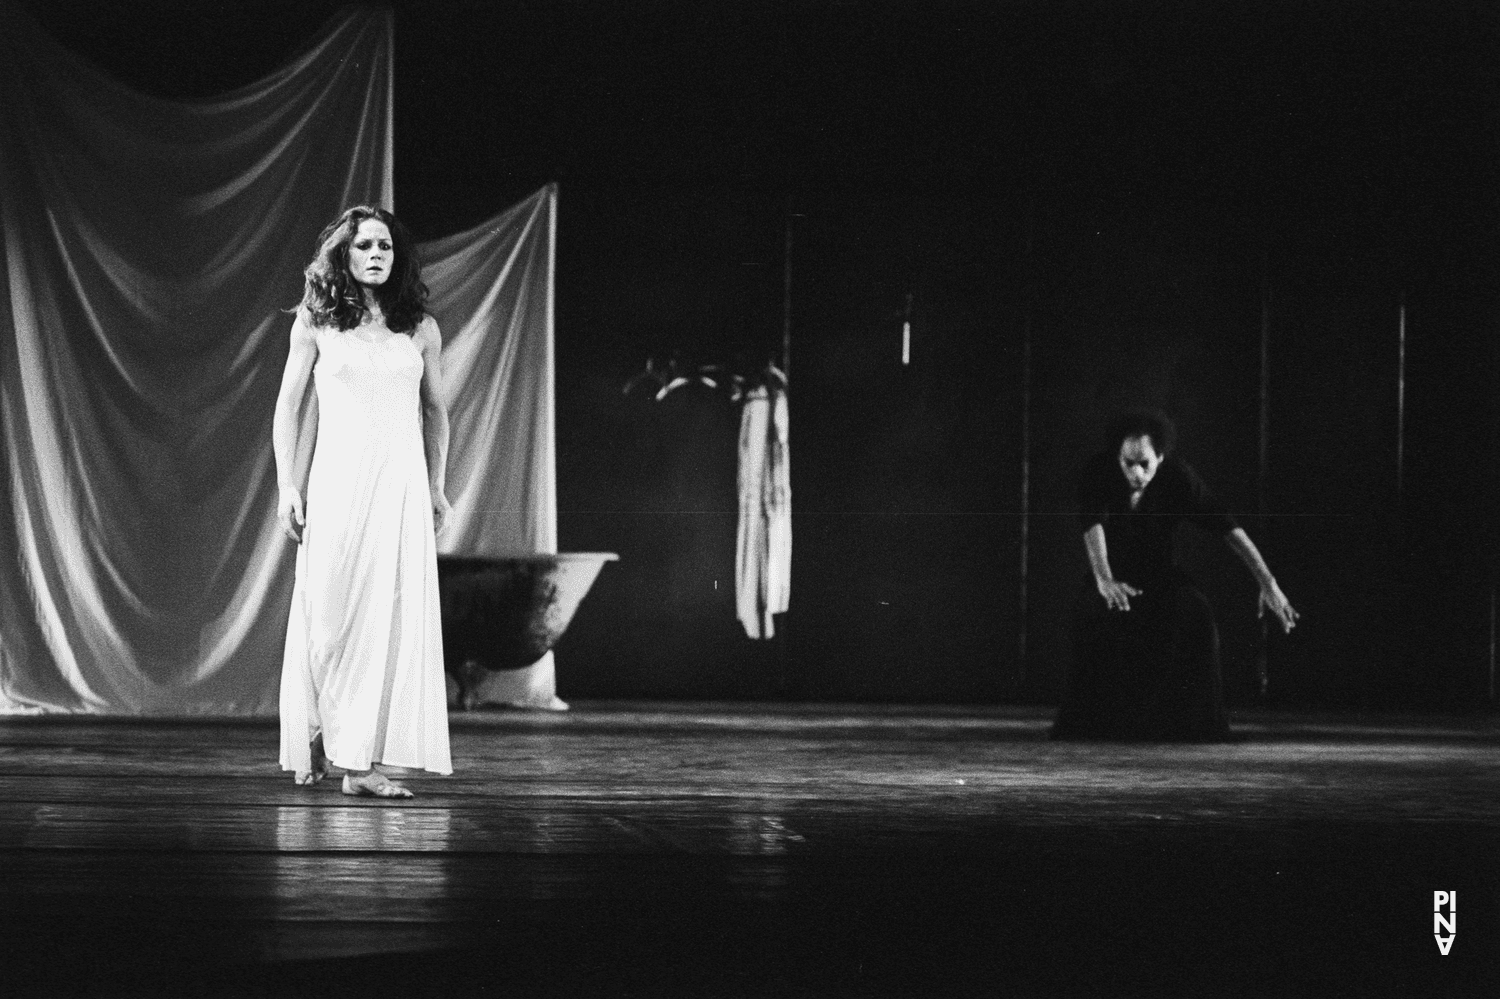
(742, 850)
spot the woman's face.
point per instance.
(371, 253)
(1139, 461)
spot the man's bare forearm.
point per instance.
(1093, 542)
(1238, 540)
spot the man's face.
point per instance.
(1139, 461)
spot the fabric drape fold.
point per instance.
(149, 249)
(492, 290)
(492, 297)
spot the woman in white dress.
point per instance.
(362, 677)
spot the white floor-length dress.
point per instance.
(364, 650)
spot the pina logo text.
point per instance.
(1445, 919)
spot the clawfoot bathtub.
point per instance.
(504, 613)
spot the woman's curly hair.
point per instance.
(331, 296)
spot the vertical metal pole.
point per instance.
(786, 300)
(1262, 469)
(1492, 640)
(1401, 403)
(783, 683)
(1024, 597)
(1263, 464)
(1024, 594)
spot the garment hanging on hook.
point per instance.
(769, 377)
(668, 378)
(763, 543)
(763, 550)
(664, 379)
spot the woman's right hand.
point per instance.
(1116, 594)
(289, 513)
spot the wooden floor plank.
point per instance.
(788, 845)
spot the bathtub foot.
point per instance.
(469, 676)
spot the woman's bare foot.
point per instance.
(374, 784)
(319, 764)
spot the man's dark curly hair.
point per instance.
(331, 296)
(1142, 423)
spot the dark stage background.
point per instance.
(1132, 183)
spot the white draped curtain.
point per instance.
(492, 295)
(150, 248)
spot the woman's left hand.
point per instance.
(441, 511)
(1273, 600)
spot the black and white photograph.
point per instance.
(786, 499)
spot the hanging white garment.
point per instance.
(763, 550)
(363, 662)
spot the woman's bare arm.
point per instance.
(299, 365)
(434, 417)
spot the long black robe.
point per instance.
(1151, 673)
